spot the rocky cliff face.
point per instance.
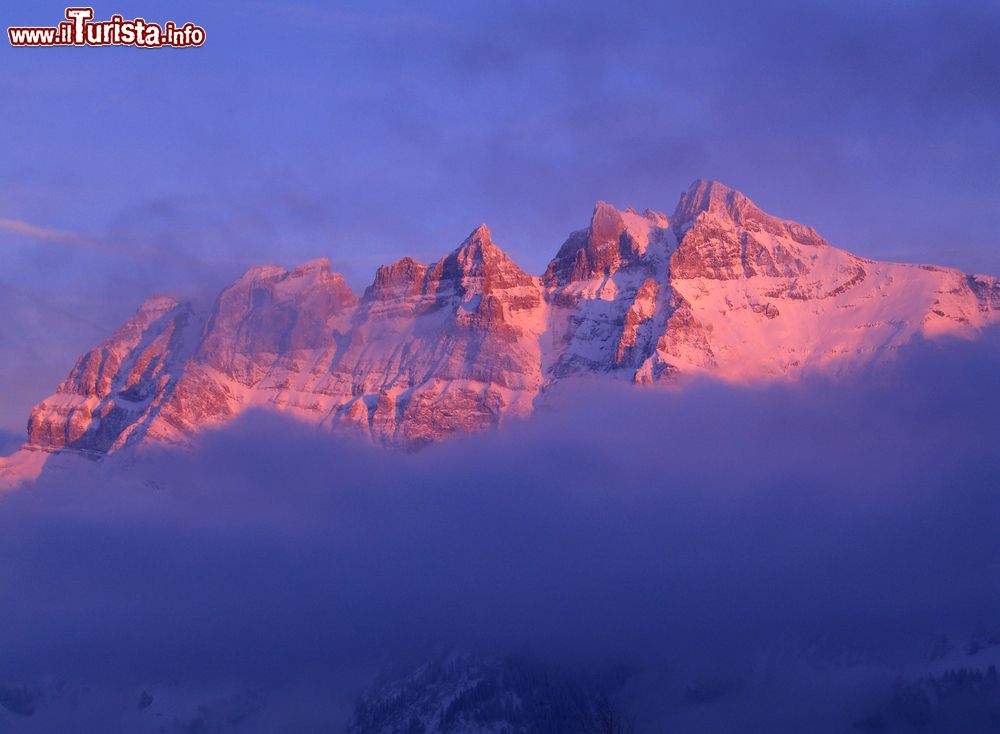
(428, 350)
(719, 287)
(115, 390)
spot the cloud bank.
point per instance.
(769, 559)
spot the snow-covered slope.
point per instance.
(934, 686)
(719, 287)
(463, 693)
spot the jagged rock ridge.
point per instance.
(719, 287)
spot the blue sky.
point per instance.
(366, 131)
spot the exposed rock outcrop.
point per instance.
(460, 345)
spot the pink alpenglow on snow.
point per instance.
(718, 288)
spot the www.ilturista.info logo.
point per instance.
(80, 29)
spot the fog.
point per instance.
(766, 558)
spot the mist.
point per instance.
(771, 558)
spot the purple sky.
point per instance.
(366, 131)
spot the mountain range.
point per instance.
(719, 288)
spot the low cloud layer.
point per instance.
(770, 557)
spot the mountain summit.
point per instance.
(720, 288)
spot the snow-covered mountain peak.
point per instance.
(615, 240)
(158, 303)
(724, 206)
(400, 278)
(317, 265)
(708, 196)
(479, 266)
(605, 223)
(720, 288)
(480, 238)
(261, 272)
